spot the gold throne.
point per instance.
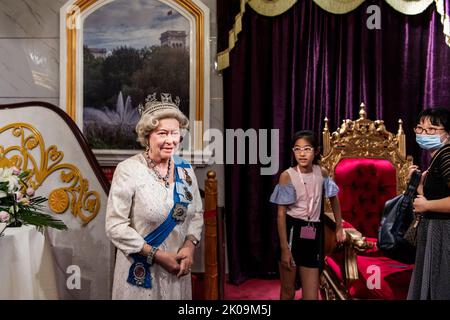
(370, 166)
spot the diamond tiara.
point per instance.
(152, 104)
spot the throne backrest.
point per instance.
(42, 139)
(370, 166)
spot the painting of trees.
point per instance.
(115, 84)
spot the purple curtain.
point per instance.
(289, 72)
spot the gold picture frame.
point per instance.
(72, 15)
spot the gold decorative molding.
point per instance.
(355, 242)
(350, 264)
(410, 7)
(445, 20)
(58, 200)
(73, 17)
(403, 6)
(30, 154)
(325, 287)
(365, 138)
(263, 7)
(193, 9)
(271, 8)
(329, 286)
(72, 20)
(5, 163)
(223, 57)
(338, 6)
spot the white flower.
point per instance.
(6, 175)
(4, 216)
(2, 194)
(5, 172)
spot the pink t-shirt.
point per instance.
(308, 189)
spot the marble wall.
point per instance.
(29, 50)
(216, 101)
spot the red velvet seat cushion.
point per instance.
(379, 277)
(394, 276)
(365, 185)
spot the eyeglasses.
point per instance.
(429, 131)
(305, 149)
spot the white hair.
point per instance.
(150, 122)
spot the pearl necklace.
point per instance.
(152, 165)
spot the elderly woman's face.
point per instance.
(165, 138)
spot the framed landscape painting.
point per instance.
(116, 53)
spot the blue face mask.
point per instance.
(429, 142)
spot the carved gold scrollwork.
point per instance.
(326, 288)
(58, 200)
(29, 153)
(271, 8)
(364, 138)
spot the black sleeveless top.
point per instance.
(437, 181)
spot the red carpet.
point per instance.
(252, 289)
(255, 289)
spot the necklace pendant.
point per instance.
(167, 184)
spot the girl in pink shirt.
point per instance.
(298, 195)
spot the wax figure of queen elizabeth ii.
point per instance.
(154, 214)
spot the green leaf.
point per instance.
(23, 174)
(41, 219)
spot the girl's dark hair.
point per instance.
(437, 116)
(309, 136)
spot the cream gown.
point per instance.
(137, 204)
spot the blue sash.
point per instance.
(139, 274)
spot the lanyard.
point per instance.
(309, 201)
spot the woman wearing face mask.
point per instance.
(431, 275)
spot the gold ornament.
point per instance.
(28, 152)
(58, 201)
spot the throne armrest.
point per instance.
(357, 241)
(354, 243)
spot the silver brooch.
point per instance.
(179, 213)
(188, 194)
(139, 273)
(187, 177)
